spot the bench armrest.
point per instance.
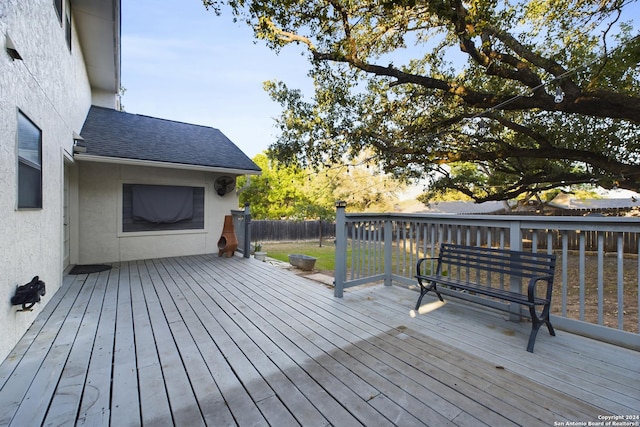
(421, 260)
(531, 291)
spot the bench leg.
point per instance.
(544, 318)
(532, 336)
(536, 323)
(425, 289)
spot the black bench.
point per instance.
(493, 273)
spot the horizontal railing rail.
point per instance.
(596, 289)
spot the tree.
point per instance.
(291, 192)
(282, 192)
(536, 94)
(365, 188)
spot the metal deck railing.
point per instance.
(596, 291)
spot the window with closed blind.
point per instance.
(63, 10)
(57, 4)
(29, 164)
(162, 208)
(67, 22)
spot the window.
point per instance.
(58, 6)
(29, 164)
(67, 22)
(162, 208)
(63, 10)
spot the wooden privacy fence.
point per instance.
(282, 230)
(609, 241)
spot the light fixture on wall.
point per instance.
(11, 48)
(78, 147)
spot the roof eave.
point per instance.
(99, 31)
(165, 165)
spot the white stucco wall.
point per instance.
(51, 88)
(105, 99)
(100, 196)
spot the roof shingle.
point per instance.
(111, 133)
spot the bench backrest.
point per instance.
(491, 265)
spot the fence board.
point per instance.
(279, 230)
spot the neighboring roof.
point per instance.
(563, 201)
(457, 207)
(114, 134)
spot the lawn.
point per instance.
(326, 255)
(326, 258)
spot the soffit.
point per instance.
(98, 26)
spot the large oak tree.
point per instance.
(536, 94)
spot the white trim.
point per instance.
(166, 165)
(67, 157)
(65, 221)
(157, 233)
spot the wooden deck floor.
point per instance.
(213, 341)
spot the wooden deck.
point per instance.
(214, 341)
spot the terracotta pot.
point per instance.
(228, 242)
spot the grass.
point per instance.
(326, 255)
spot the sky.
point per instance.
(181, 62)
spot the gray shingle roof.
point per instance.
(112, 133)
(571, 203)
(460, 207)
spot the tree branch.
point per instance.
(598, 103)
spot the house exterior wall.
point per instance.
(105, 99)
(100, 204)
(50, 86)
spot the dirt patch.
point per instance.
(612, 289)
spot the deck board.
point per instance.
(362, 379)
(608, 379)
(208, 397)
(68, 393)
(240, 407)
(125, 400)
(154, 401)
(345, 386)
(275, 376)
(204, 340)
(30, 351)
(95, 404)
(407, 376)
(50, 364)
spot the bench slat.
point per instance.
(457, 264)
(486, 290)
(521, 264)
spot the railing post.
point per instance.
(515, 244)
(388, 251)
(247, 231)
(341, 249)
